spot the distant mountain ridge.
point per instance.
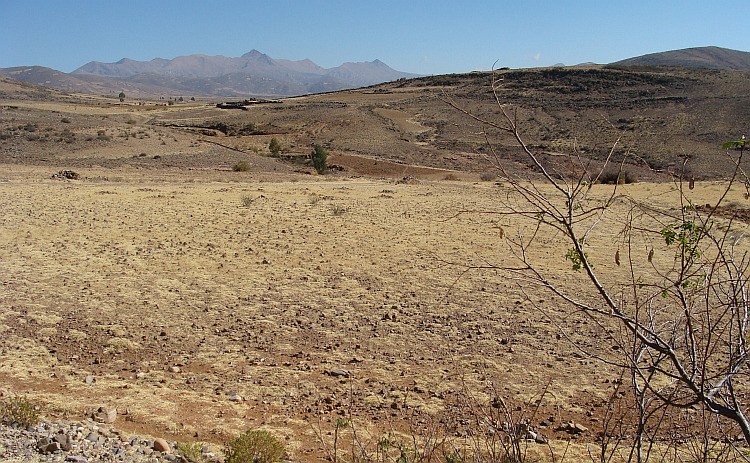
(700, 57)
(288, 77)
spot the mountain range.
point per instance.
(256, 74)
(253, 74)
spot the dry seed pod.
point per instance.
(650, 255)
(617, 257)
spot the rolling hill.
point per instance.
(700, 57)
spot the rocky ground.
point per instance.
(85, 442)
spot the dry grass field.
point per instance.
(202, 302)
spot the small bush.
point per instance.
(274, 147)
(241, 166)
(18, 409)
(488, 176)
(65, 120)
(255, 447)
(191, 451)
(450, 177)
(339, 210)
(247, 201)
(613, 177)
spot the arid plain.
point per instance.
(201, 302)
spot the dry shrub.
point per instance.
(241, 166)
(19, 409)
(488, 176)
(255, 446)
(616, 177)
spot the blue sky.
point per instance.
(424, 37)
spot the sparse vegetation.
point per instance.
(255, 446)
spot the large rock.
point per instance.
(160, 445)
(105, 415)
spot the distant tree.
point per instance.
(170, 102)
(121, 96)
(274, 146)
(319, 159)
(192, 98)
(180, 99)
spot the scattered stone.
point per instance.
(89, 380)
(236, 398)
(572, 428)
(62, 440)
(173, 369)
(160, 445)
(105, 415)
(338, 372)
(540, 438)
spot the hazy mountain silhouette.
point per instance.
(253, 73)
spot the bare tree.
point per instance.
(677, 306)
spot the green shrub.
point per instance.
(255, 447)
(274, 147)
(19, 409)
(241, 166)
(191, 451)
(319, 159)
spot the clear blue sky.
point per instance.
(425, 37)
